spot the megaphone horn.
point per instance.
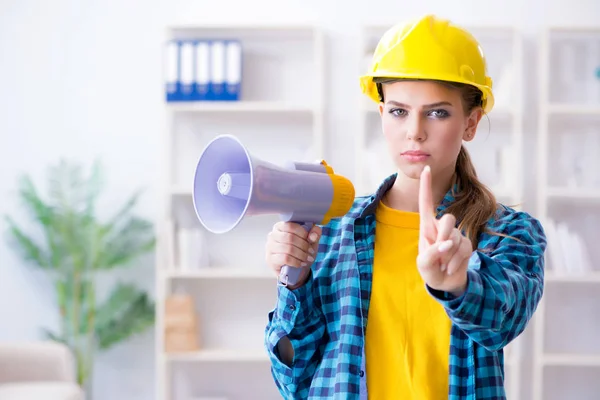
(230, 184)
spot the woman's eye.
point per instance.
(398, 112)
(439, 113)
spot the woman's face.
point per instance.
(424, 123)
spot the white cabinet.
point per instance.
(278, 117)
(567, 324)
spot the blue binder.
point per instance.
(233, 75)
(186, 58)
(202, 71)
(172, 70)
(217, 70)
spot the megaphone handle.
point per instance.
(290, 275)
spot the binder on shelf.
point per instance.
(172, 70)
(202, 70)
(233, 75)
(217, 70)
(187, 70)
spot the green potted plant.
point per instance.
(73, 245)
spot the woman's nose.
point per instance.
(416, 128)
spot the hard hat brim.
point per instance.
(369, 87)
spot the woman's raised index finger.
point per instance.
(425, 196)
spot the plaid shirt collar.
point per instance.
(372, 201)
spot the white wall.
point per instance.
(82, 79)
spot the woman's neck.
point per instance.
(404, 194)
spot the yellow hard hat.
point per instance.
(429, 48)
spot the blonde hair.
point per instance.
(474, 203)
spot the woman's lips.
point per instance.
(415, 155)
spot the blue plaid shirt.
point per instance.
(326, 318)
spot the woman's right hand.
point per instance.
(289, 243)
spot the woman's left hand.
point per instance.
(444, 251)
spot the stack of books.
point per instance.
(566, 251)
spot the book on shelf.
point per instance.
(566, 250)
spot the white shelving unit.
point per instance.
(278, 118)
(567, 323)
(497, 150)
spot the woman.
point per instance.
(416, 291)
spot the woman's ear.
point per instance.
(472, 124)
(381, 107)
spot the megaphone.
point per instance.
(230, 184)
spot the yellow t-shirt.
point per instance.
(408, 332)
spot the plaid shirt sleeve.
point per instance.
(505, 282)
(296, 317)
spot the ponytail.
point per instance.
(474, 204)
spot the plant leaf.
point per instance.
(45, 215)
(38, 208)
(124, 243)
(30, 250)
(126, 312)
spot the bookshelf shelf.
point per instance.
(573, 193)
(240, 106)
(584, 278)
(573, 109)
(220, 273)
(574, 360)
(220, 355)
